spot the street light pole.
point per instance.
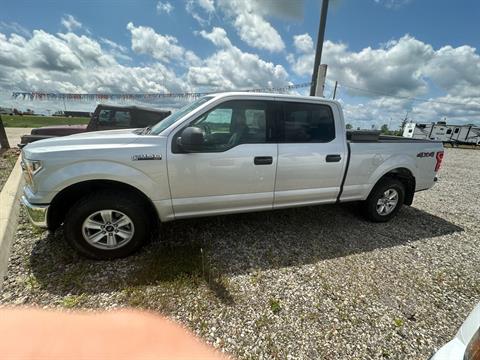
(320, 38)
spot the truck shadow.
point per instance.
(203, 252)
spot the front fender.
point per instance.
(154, 185)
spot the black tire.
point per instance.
(127, 204)
(370, 205)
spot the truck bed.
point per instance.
(369, 136)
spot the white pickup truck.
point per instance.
(225, 153)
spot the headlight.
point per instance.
(33, 166)
(30, 168)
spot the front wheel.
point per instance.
(385, 200)
(107, 225)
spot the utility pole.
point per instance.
(3, 137)
(335, 90)
(320, 39)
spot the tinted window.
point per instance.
(457, 130)
(104, 117)
(147, 118)
(308, 123)
(449, 131)
(233, 123)
(122, 119)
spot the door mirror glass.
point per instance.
(192, 139)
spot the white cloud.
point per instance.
(75, 64)
(456, 70)
(116, 50)
(406, 68)
(163, 48)
(251, 25)
(164, 7)
(303, 43)
(113, 45)
(396, 68)
(393, 4)
(70, 23)
(302, 64)
(207, 5)
(230, 68)
(14, 28)
(201, 10)
(218, 37)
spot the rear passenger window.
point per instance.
(122, 119)
(308, 123)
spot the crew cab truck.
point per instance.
(222, 154)
(105, 117)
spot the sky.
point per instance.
(391, 58)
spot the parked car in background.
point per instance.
(105, 117)
(225, 153)
(466, 343)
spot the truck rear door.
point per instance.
(311, 154)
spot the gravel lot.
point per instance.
(314, 282)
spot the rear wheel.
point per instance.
(107, 225)
(385, 200)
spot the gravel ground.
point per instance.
(7, 162)
(315, 282)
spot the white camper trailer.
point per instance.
(440, 131)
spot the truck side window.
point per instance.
(142, 118)
(233, 123)
(305, 122)
(122, 119)
(104, 117)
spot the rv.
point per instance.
(440, 131)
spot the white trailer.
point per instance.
(452, 134)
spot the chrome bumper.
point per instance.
(36, 213)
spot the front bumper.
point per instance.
(36, 213)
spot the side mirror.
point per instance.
(192, 139)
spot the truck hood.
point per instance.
(59, 130)
(89, 141)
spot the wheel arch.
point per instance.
(68, 196)
(406, 177)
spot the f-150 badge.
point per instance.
(147, 157)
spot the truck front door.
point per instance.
(235, 171)
(311, 155)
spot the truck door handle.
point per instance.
(262, 160)
(333, 158)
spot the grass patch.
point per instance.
(71, 301)
(275, 306)
(398, 322)
(29, 121)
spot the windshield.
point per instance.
(169, 120)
